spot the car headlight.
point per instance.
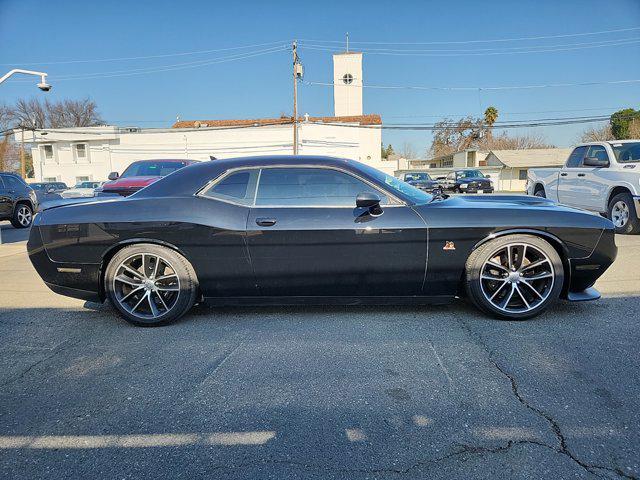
(464, 185)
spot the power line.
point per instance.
(601, 43)
(461, 42)
(65, 62)
(505, 87)
(540, 49)
(166, 68)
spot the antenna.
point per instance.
(347, 42)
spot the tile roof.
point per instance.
(371, 119)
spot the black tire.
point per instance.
(187, 285)
(22, 216)
(485, 252)
(632, 224)
(539, 192)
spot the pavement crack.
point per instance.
(562, 446)
(59, 349)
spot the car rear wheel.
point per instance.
(623, 214)
(22, 216)
(514, 277)
(150, 285)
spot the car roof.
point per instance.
(173, 160)
(192, 178)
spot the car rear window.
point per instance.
(152, 169)
(237, 187)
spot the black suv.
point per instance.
(17, 200)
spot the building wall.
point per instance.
(347, 97)
(108, 151)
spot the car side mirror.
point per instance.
(370, 201)
(595, 162)
(113, 176)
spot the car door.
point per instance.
(570, 189)
(6, 204)
(595, 184)
(306, 237)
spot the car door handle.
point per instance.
(266, 222)
(581, 174)
(563, 174)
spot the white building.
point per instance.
(77, 154)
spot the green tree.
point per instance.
(620, 121)
(386, 152)
(490, 116)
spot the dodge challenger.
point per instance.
(315, 230)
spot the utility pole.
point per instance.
(297, 75)
(23, 165)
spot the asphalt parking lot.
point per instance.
(341, 392)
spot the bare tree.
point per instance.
(407, 151)
(33, 113)
(29, 113)
(5, 117)
(634, 128)
(473, 133)
(597, 134)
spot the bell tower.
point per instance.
(347, 84)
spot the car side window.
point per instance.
(575, 159)
(12, 183)
(311, 187)
(599, 152)
(236, 187)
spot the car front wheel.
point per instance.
(622, 212)
(514, 277)
(150, 285)
(22, 216)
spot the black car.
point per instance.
(18, 201)
(421, 180)
(304, 229)
(46, 191)
(467, 181)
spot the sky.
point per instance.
(244, 68)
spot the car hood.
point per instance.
(474, 179)
(423, 182)
(130, 182)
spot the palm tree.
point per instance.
(490, 117)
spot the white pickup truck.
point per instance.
(603, 177)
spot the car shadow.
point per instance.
(9, 234)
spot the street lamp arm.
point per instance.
(42, 75)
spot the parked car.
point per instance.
(18, 201)
(48, 191)
(140, 174)
(304, 229)
(421, 180)
(81, 190)
(467, 181)
(603, 177)
(49, 187)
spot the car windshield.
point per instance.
(470, 174)
(85, 185)
(152, 169)
(628, 152)
(396, 185)
(416, 177)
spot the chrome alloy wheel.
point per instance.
(146, 285)
(620, 214)
(24, 215)
(517, 278)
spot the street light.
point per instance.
(43, 85)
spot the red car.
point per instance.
(140, 174)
